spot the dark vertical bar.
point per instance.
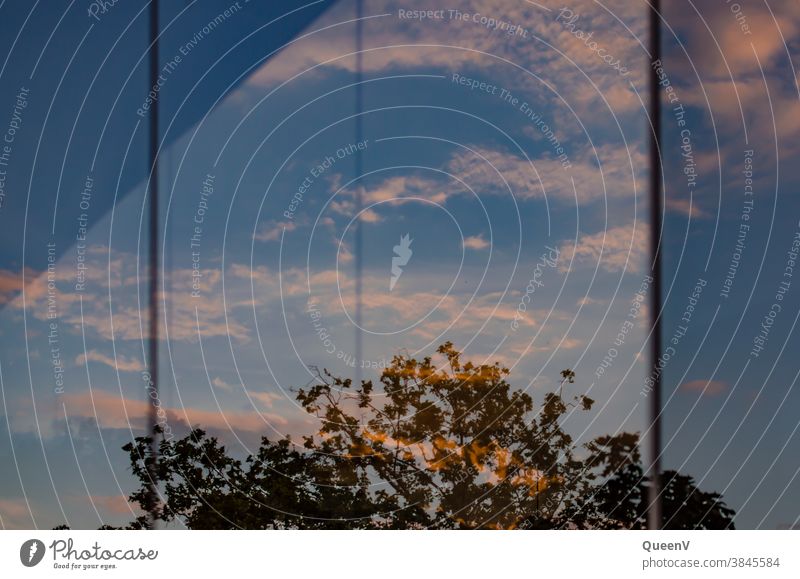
(359, 200)
(153, 266)
(654, 498)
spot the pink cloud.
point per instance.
(704, 387)
(113, 504)
(14, 514)
(476, 242)
(112, 411)
(370, 216)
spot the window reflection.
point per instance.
(477, 251)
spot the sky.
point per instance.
(505, 144)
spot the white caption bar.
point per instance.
(387, 554)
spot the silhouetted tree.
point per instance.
(437, 447)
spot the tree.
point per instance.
(437, 447)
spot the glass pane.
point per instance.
(76, 106)
(479, 178)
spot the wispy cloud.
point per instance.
(615, 249)
(113, 411)
(687, 207)
(272, 230)
(222, 385)
(601, 173)
(122, 363)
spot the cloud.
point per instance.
(10, 284)
(332, 44)
(272, 230)
(476, 242)
(398, 188)
(122, 363)
(704, 387)
(767, 110)
(114, 505)
(112, 411)
(222, 385)
(345, 254)
(395, 44)
(14, 514)
(36, 287)
(589, 301)
(616, 249)
(370, 216)
(267, 399)
(687, 207)
(608, 175)
(347, 208)
(601, 173)
(394, 190)
(767, 29)
(729, 62)
(204, 314)
(118, 272)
